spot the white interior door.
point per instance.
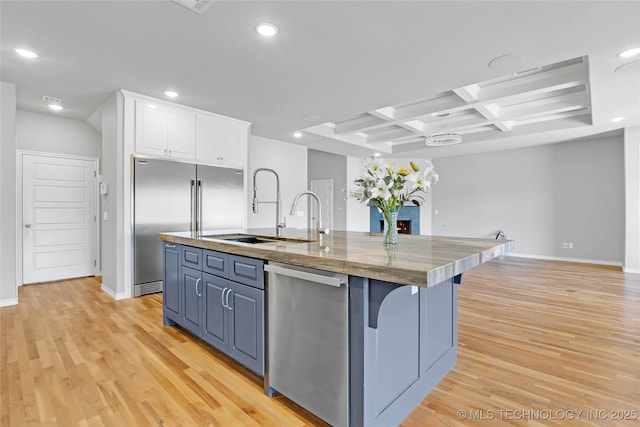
(58, 218)
(324, 189)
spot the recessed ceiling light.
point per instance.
(56, 107)
(508, 62)
(617, 119)
(311, 117)
(26, 53)
(297, 134)
(171, 94)
(631, 66)
(629, 53)
(266, 29)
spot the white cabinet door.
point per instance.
(207, 139)
(164, 131)
(181, 141)
(220, 141)
(233, 146)
(151, 128)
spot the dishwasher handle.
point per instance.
(311, 277)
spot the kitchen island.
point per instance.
(363, 351)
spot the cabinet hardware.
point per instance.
(222, 297)
(169, 245)
(227, 300)
(197, 283)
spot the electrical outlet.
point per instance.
(565, 245)
(570, 245)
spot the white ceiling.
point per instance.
(332, 60)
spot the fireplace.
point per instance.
(404, 226)
(408, 220)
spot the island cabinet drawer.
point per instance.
(216, 263)
(191, 257)
(245, 270)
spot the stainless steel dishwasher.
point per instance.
(308, 334)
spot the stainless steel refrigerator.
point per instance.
(174, 196)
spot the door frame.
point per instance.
(312, 185)
(19, 220)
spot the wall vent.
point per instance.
(199, 6)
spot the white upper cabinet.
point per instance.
(162, 130)
(221, 141)
(181, 133)
(171, 130)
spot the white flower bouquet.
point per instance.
(382, 185)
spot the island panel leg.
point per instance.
(402, 343)
(358, 315)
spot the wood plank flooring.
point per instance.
(539, 341)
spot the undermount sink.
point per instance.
(253, 239)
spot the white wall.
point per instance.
(117, 148)
(112, 239)
(632, 195)
(54, 134)
(540, 196)
(8, 220)
(290, 162)
(357, 212)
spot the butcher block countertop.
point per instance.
(416, 260)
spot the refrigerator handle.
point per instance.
(193, 206)
(200, 203)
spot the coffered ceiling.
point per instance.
(523, 102)
(354, 77)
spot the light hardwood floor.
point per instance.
(539, 341)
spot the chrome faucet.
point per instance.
(319, 207)
(280, 220)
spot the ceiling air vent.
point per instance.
(199, 6)
(51, 99)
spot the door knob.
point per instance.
(27, 226)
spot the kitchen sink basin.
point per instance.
(253, 239)
(248, 239)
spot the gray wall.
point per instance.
(8, 220)
(331, 166)
(540, 196)
(53, 134)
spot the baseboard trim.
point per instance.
(114, 295)
(631, 270)
(8, 302)
(578, 260)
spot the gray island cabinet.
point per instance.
(217, 297)
(364, 351)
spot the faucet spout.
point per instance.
(294, 205)
(280, 220)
